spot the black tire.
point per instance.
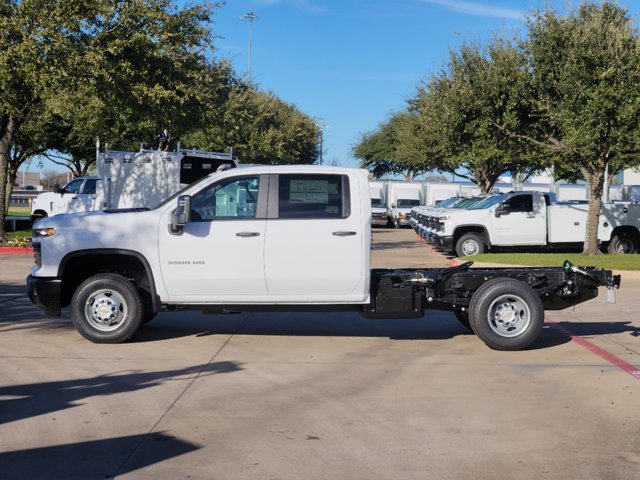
(506, 314)
(469, 244)
(37, 216)
(623, 243)
(107, 308)
(463, 318)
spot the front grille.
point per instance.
(37, 254)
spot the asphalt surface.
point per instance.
(319, 396)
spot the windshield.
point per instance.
(377, 202)
(489, 202)
(404, 203)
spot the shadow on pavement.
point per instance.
(31, 400)
(93, 459)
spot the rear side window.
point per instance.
(313, 196)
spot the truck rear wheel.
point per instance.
(623, 243)
(107, 308)
(469, 244)
(506, 314)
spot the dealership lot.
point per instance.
(320, 396)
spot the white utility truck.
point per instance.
(402, 197)
(131, 180)
(527, 219)
(279, 238)
(379, 215)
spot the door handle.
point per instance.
(344, 234)
(247, 234)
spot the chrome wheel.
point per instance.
(509, 316)
(105, 310)
(470, 247)
(625, 246)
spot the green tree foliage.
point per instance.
(261, 128)
(586, 72)
(469, 104)
(397, 146)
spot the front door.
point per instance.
(220, 253)
(524, 222)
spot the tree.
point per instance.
(469, 104)
(261, 128)
(397, 146)
(586, 74)
(127, 69)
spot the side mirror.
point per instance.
(394, 205)
(57, 188)
(181, 215)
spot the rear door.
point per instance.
(314, 241)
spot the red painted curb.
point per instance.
(16, 251)
(601, 352)
(455, 262)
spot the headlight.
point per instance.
(442, 219)
(43, 232)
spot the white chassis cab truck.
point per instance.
(379, 216)
(402, 197)
(279, 238)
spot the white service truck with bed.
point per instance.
(279, 238)
(131, 180)
(527, 219)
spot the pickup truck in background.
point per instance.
(401, 198)
(527, 219)
(274, 238)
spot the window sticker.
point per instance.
(309, 191)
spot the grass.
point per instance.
(20, 211)
(612, 262)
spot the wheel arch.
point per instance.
(480, 230)
(77, 266)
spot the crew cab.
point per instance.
(264, 237)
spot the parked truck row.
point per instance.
(519, 219)
(274, 238)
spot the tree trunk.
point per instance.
(8, 127)
(595, 181)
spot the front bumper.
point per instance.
(444, 243)
(45, 293)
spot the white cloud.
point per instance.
(308, 6)
(478, 9)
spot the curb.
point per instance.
(16, 251)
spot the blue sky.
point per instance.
(352, 63)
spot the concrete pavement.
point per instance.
(319, 396)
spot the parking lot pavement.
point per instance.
(318, 396)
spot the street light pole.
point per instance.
(251, 17)
(322, 127)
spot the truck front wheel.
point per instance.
(469, 244)
(506, 314)
(107, 308)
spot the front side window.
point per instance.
(74, 186)
(313, 196)
(235, 198)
